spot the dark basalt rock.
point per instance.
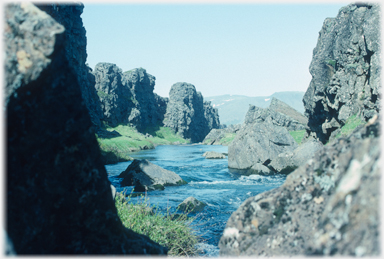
(146, 176)
(59, 199)
(188, 115)
(345, 70)
(328, 206)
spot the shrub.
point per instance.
(175, 233)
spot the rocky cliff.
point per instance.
(345, 70)
(59, 199)
(329, 206)
(187, 113)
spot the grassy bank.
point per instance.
(175, 234)
(118, 148)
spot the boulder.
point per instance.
(328, 206)
(259, 143)
(213, 155)
(191, 205)
(283, 108)
(345, 70)
(188, 115)
(286, 162)
(217, 136)
(260, 169)
(146, 176)
(58, 196)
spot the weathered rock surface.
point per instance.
(287, 162)
(259, 115)
(146, 176)
(281, 107)
(260, 140)
(329, 206)
(217, 136)
(345, 70)
(213, 155)
(188, 115)
(59, 198)
(191, 205)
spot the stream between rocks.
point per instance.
(209, 180)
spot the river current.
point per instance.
(209, 180)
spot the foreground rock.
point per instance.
(213, 155)
(345, 70)
(191, 205)
(59, 199)
(146, 176)
(329, 206)
(188, 114)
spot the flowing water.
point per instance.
(209, 180)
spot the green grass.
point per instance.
(297, 135)
(351, 124)
(131, 140)
(175, 234)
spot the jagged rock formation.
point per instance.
(260, 115)
(128, 98)
(76, 53)
(188, 115)
(345, 70)
(329, 206)
(59, 199)
(218, 136)
(281, 107)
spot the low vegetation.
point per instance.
(349, 126)
(118, 148)
(175, 233)
(297, 135)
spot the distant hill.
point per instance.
(232, 108)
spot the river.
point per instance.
(209, 180)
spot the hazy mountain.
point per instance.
(232, 108)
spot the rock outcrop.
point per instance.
(128, 98)
(188, 115)
(260, 115)
(145, 176)
(281, 107)
(345, 70)
(59, 199)
(329, 206)
(222, 136)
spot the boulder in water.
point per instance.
(146, 176)
(191, 204)
(213, 155)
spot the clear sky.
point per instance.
(248, 49)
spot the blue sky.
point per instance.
(243, 49)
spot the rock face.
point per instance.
(285, 163)
(345, 70)
(259, 115)
(281, 107)
(329, 206)
(128, 98)
(146, 176)
(187, 113)
(76, 53)
(59, 199)
(191, 205)
(213, 155)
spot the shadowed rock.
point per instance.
(59, 199)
